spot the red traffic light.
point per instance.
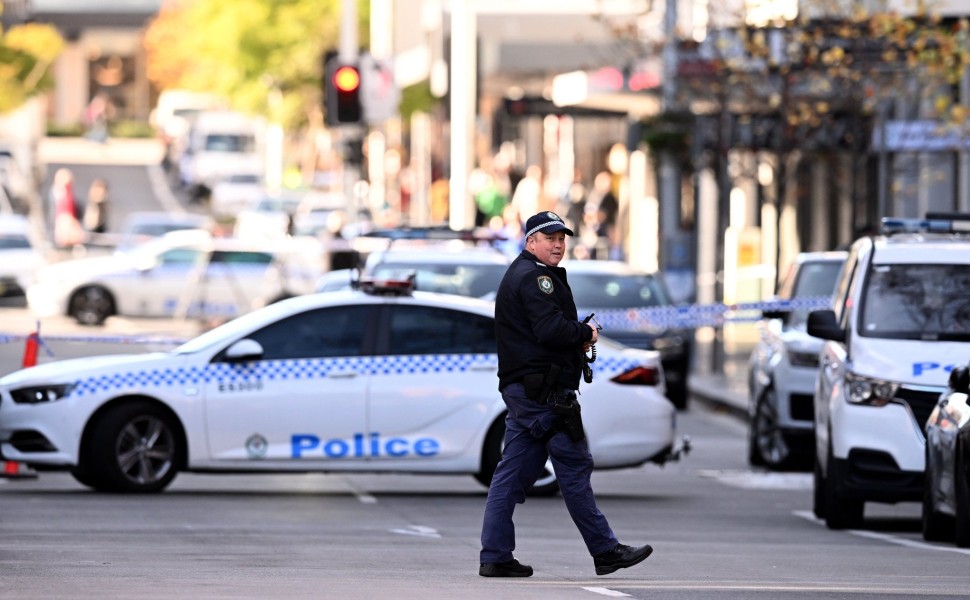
(346, 79)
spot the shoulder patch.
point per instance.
(545, 284)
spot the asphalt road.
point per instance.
(719, 531)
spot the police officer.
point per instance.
(540, 348)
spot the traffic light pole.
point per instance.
(351, 134)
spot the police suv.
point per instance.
(900, 322)
(375, 379)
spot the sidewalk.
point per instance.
(722, 382)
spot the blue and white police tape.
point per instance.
(692, 316)
(8, 338)
(687, 316)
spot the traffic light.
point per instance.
(342, 91)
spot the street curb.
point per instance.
(716, 397)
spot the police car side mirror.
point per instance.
(244, 350)
(822, 324)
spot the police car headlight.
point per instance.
(41, 394)
(865, 390)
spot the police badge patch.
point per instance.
(545, 284)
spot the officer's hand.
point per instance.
(596, 335)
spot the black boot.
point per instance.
(509, 568)
(620, 557)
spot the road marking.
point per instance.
(752, 480)
(418, 530)
(607, 592)
(885, 537)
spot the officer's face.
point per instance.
(548, 248)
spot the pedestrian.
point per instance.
(541, 343)
(96, 208)
(68, 232)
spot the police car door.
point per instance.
(435, 394)
(303, 402)
(155, 289)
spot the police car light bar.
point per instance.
(933, 223)
(387, 287)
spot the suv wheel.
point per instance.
(841, 512)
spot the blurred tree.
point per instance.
(820, 85)
(249, 51)
(26, 54)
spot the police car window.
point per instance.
(12, 242)
(462, 280)
(179, 256)
(912, 301)
(241, 257)
(320, 333)
(817, 279)
(602, 290)
(225, 142)
(432, 330)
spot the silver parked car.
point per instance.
(946, 492)
(782, 367)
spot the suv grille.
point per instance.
(921, 402)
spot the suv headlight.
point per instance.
(41, 393)
(865, 390)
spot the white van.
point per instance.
(900, 322)
(221, 144)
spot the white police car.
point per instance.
(356, 381)
(900, 323)
(182, 273)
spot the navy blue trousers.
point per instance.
(522, 462)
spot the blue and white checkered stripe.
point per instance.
(282, 370)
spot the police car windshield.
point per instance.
(475, 281)
(604, 290)
(815, 279)
(917, 302)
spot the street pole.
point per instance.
(464, 75)
(349, 133)
(673, 247)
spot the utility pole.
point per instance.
(350, 133)
(674, 248)
(464, 79)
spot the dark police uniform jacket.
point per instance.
(536, 324)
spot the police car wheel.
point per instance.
(91, 305)
(134, 447)
(90, 479)
(936, 526)
(546, 485)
